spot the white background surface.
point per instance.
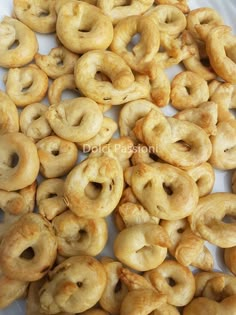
(227, 10)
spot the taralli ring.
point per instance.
(19, 162)
(28, 249)
(9, 118)
(13, 32)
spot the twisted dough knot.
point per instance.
(208, 223)
(9, 119)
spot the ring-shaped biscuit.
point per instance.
(122, 87)
(13, 32)
(57, 156)
(209, 224)
(76, 120)
(33, 122)
(71, 288)
(79, 236)
(19, 162)
(82, 27)
(141, 56)
(58, 62)
(181, 291)
(188, 89)
(40, 16)
(26, 85)
(50, 198)
(9, 118)
(224, 146)
(139, 249)
(220, 45)
(28, 249)
(89, 184)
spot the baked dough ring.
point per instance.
(207, 222)
(33, 122)
(50, 198)
(76, 120)
(9, 118)
(120, 9)
(139, 249)
(71, 286)
(26, 85)
(94, 187)
(188, 90)
(123, 86)
(40, 16)
(182, 290)
(79, 236)
(58, 62)
(19, 162)
(179, 143)
(164, 191)
(219, 44)
(15, 204)
(229, 258)
(224, 146)
(141, 56)
(10, 290)
(28, 249)
(57, 156)
(13, 32)
(82, 27)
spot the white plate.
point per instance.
(227, 10)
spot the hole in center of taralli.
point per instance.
(118, 286)
(43, 13)
(2, 215)
(79, 284)
(14, 160)
(55, 152)
(228, 219)
(167, 189)
(14, 45)
(133, 42)
(93, 190)
(171, 282)
(28, 254)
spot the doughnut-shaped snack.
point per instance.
(142, 301)
(205, 306)
(9, 119)
(122, 86)
(79, 236)
(61, 84)
(207, 222)
(188, 90)
(108, 128)
(130, 113)
(26, 85)
(171, 20)
(180, 143)
(187, 247)
(181, 291)
(120, 9)
(205, 19)
(19, 162)
(94, 187)
(40, 16)
(205, 116)
(229, 258)
(57, 156)
(204, 177)
(75, 120)
(219, 47)
(173, 186)
(115, 289)
(180, 4)
(10, 290)
(33, 122)
(28, 249)
(58, 62)
(224, 146)
(234, 182)
(141, 56)
(139, 249)
(50, 198)
(71, 288)
(14, 204)
(13, 32)
(82, 27)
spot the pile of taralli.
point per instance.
(155, 180)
